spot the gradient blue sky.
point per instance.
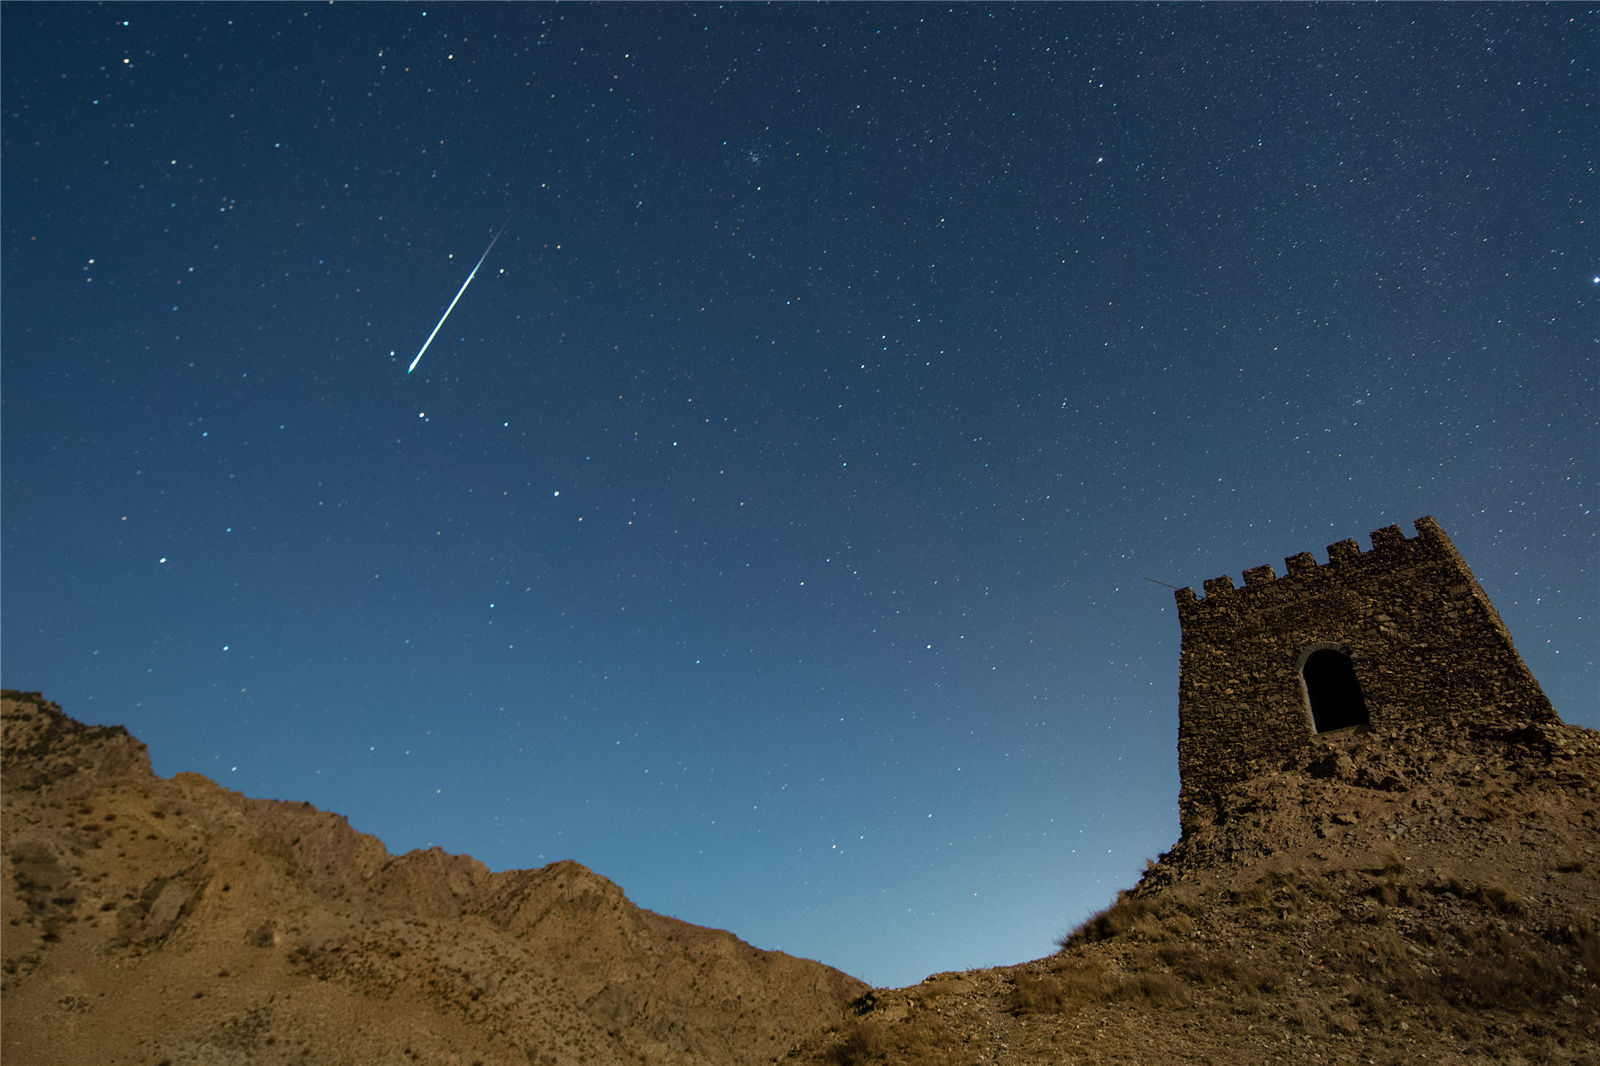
(768, 527)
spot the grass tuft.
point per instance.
(916, 1040)
(1155, 918)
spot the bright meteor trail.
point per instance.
(452, 306)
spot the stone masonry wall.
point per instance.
(1424, 640)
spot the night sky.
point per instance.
(777, 524)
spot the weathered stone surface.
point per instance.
(1423, 640)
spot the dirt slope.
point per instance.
(1392, 897)
(172, 921)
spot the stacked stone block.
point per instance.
(1425, 643)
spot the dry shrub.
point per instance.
(1113, 921)
(1318, 885)
(1376, 1006)
(1500, 899)
(1287, 898)
(1390, 861)
(1376, 950)
(1229, 970)
(1181, 898)
(1253, 897)
(1382, 892)
(1304, 1016)
(1153, 918)
(1391, 893)
(917, 1041)
(1585, 943)
(1508, 972)
(1155, 988)
(1481, 967)
(1036, 994)
(1317, 1018)
(1273, 891)
(1176, 954)
(1077, 987)
(1245, 1004)
(1288, 886)
(1278, 872)
(1086, 984)
(1495, 896)
(864, 1040)
(1061, 989)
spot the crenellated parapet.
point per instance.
(1401, 633)
(1391, 550)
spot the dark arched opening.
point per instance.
(1333, 691)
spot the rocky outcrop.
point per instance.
(151, 920)
(1423, 891)
(1398, 895)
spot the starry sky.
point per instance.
(780, 522)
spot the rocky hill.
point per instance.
(172, 921)
(1385, 896)
(1389, 896)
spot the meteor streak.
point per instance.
(452, 306)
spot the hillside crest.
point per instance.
(151, 920)
(1423, 892)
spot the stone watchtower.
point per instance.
(1402, 634)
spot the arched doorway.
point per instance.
(1332, 691)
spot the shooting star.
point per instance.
(453, 303)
